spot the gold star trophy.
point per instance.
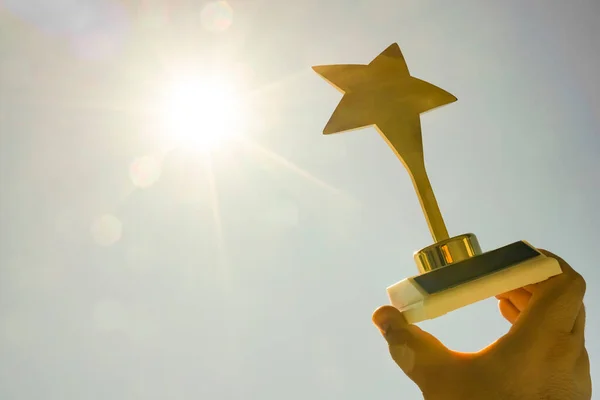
(453, 272)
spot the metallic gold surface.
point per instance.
(447, 252)
(384, 95)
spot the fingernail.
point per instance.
(382, 324)
(384, 319)
(385, 328)
(380, 317)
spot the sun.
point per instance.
(202, 114)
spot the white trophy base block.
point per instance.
(418, 304)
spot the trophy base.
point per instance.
(442, 290)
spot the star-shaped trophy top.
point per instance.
(384, 94)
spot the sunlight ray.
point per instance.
(282, 161)
(278, 84)
(216, 211)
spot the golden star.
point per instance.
(381, 93)
(384, 95)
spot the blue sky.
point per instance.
(253, 272)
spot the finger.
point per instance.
(518, 297)
(556, 302)
(396, 330)
(582, 365)
(579, 326)
(508, 310)
(416, 352)
(530, 288)
(527, 288)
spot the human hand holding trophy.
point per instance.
(453, 272)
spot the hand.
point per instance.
(542, 356)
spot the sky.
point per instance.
(137, 266)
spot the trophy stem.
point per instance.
(429, 204)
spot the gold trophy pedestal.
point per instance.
(453, 271)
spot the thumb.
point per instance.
(419, 354)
